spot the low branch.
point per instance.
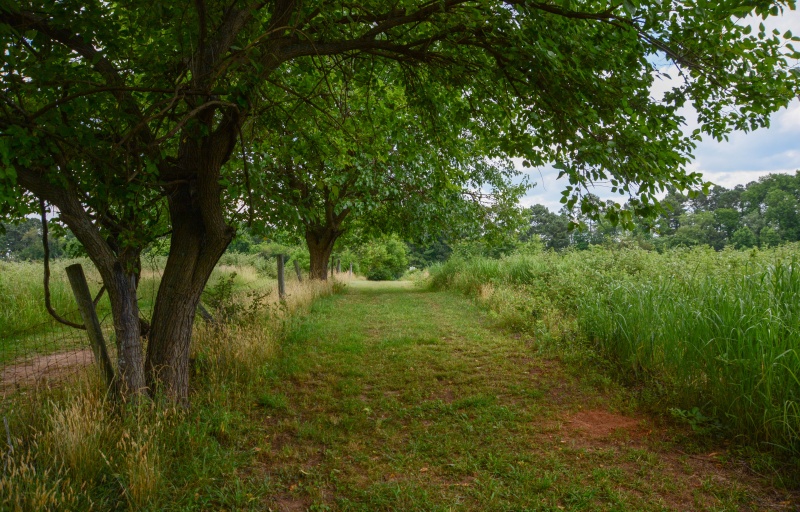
(47, 303)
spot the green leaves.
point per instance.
(367, 108)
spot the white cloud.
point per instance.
(731, 179)
(789, 120)
(745, 157)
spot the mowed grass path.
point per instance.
(391, 398)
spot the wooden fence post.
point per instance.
(297, 270)
(339, 266)
(83, 297)
(281, 282)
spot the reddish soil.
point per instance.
(44, 368)
(597, 424)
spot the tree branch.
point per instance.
(46, 244)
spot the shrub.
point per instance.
(384, 259)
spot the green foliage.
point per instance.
(130, 126)
(423, 254)
(23, 241)
(349, 161)
(565, 68)
(384, 259)
(551, 228)
(744, 238)
(763, 213)
(699, 422)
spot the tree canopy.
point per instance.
(125, 117)
(763, 213)
(357, 143)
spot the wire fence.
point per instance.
(51, 353)
(47, 353)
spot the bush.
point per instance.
(384, 259)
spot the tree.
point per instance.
(769, 237)
(696, 229)
(783, 211)
(23, 241)
(552, 228)
(126, 124)
(359, 145)
(744, 238)
(726, 221)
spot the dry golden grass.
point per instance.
(139, 464)
(25, 486)
(76, 432)
(236, 349)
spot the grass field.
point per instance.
(714, 336)
(67, 448)
(390, 398)
(387, 396)
(27, 329)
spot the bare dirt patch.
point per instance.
(598, 424)
(45, 368)
(289, 504)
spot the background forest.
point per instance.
(763, 213)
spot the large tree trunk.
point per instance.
(199, 238)
(320, 245)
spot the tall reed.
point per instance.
(729, 344)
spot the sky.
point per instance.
(743, 158)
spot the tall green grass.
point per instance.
(26, 327)
(22, 306)
(22, 294)
(715, 331)
(727, 344)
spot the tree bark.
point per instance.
(199, 237)
(125, 310)
(195, 249)
(320, 246)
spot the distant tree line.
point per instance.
(763, 213)
(23, 241)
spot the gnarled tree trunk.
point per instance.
(193, 254)
(320, 243)
(199, 238)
